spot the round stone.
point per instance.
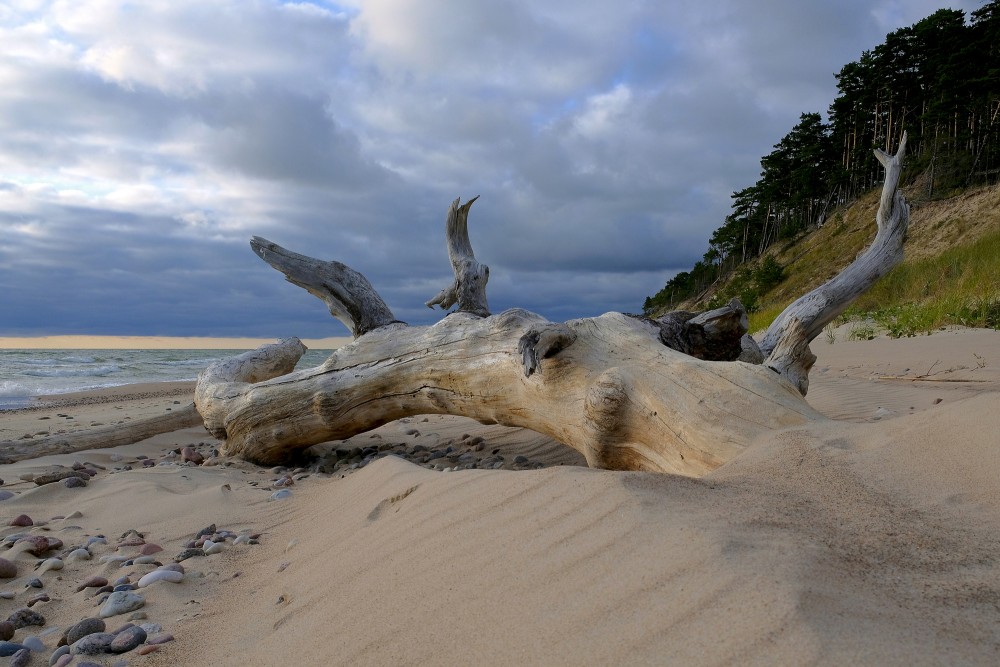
(22, 618)
(74, 482)
(8, 649)
(6, 630)
(22, 520)
(127, 639)
(87, 626)
(8, 570)
(93, 644)
(121, 602)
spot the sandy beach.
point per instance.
(873, 538)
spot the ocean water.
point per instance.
(25, 374)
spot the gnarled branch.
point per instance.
(468, 289)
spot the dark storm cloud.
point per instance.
(142, 144)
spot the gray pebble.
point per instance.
(74, 482)
(8, 649)
(58, 653)
(22, 618)
(33, 643)
(281, 495)
(20, 658)
(520, 460)
(93, 644)
(121, 602)
(188, 553)
(87, 626)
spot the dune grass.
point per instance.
(961, 286)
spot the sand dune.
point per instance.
(860, 541)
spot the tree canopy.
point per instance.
(937, 80)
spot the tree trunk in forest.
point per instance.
(681, 394)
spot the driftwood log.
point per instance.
(100, 437)
(683, 393)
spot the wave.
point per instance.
(99, 371)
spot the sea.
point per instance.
(26, 374)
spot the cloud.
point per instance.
(142, 144)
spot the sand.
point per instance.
(873, 538)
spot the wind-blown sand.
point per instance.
(874, 539)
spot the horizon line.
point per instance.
(113, 342)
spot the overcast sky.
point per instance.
(143, 143)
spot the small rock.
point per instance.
(207, 530)
(281, 495)
(150, 549)
(160, 638)
(50, 564)
(8, 570)
(33, 644)
(8, 649)
(93, 644)
(92, 582)
(20, 658)
(160, 575)
(190, 454)
(35, 582)
(22, 618)
(22, 520)
(37, 545)
(147, 649)
(41, 597)
(121, 602)
(5, 495)
(49, 478)
(520, 460)
(78, 631)
(128, 639)
(188, 553)
(62, 650)
(6, 630)
(74, 482)
(211, 547)
(79, 554)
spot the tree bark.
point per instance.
(682, 394)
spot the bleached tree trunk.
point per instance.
(681, 394)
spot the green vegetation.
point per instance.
(961, 286)
(937, 80)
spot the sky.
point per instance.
(143, 143)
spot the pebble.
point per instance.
(41, 597)
(281, 495)
(96, 539)
(93, 644)
(151, 628)
(160, 638)
(8, 649)
(50, 564)
(79, 554)
(62, 650)
(5, 495)
(147, 649)
(8, 570)
(211, 547)
(121, 602)
(78, 631)
(191, 454)
(145, 560)
(35, 582)
(6, 630)
(242, 539)
(128, 639)
(22, 520)
(20, 658)
(64, 660)
(22, 618)
(172, 576)
(150, 549)
(7, 595)
(37, 545)
(49, 478)
(92, 582)
(188, 553)
(33, 643)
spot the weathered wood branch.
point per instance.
(115, 435)
(348, 294)
(626, 392)
(614, 392)
(786, 341)
(468, 289)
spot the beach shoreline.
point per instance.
(869, 538)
